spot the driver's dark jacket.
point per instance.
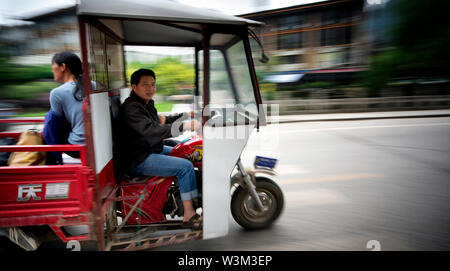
(140, 132)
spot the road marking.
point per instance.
(331, 178)
(366, 127)
(316, 196)
(284, 169)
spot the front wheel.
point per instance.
(245, 211)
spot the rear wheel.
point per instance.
(245, 211)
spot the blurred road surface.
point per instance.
(349, 182)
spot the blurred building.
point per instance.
(321, 41)
(43, 35)
(376, 25)
(46, 34)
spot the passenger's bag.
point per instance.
(29, 137)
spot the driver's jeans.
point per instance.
(160, 164)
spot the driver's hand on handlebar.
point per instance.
(192, 113)
(162, 119)
(192, 125)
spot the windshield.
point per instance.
(231, 89)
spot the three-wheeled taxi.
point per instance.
(92, 200)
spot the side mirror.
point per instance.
(264, 58)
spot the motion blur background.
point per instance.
(325, 56)
(380, 176)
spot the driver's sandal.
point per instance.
(195, 222)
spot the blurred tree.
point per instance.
(13, 74)
(381, 68)
(420, 35)
(171, 74)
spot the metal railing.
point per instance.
(349, 105)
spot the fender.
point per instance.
(237, 178)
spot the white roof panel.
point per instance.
(158, 10)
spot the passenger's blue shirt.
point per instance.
(64, 104)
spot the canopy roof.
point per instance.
(156, 22)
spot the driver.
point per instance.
(143, 153)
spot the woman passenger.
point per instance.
(64, 123)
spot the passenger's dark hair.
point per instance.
(73, 63)
(136, 76)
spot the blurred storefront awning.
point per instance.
(284, 78)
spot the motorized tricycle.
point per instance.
(91, 200)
